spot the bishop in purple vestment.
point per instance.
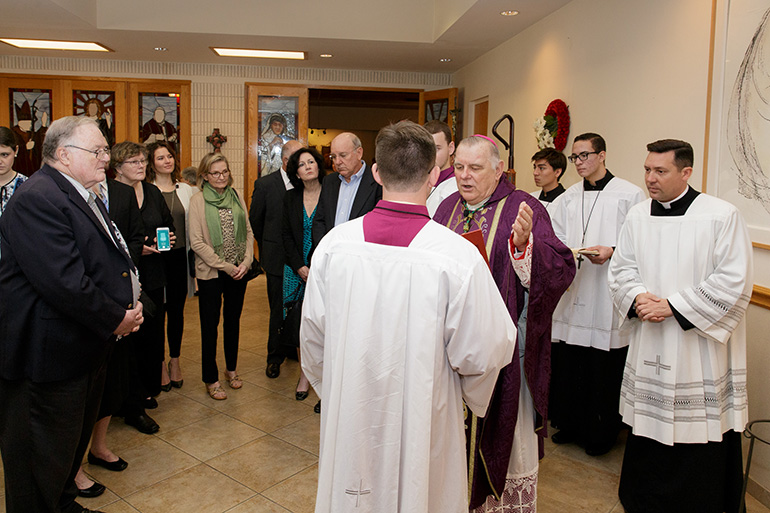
(488, 202)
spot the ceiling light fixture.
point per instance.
(509, 13)
(43, 44)
(261, 54)
(160, 48)
(445, 59)
(327, 55)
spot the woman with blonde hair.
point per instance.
(221, 237)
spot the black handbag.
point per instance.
(254, 271)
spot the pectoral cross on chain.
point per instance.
(657, 365)
(358, 493)
(580, 259)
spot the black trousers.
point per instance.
(176, 296)
(585, 392)
(45, 429)
(682, 478)
(148, 344)
(275, 299)
(211, 296)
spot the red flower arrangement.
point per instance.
(559, 113)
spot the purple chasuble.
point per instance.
(553, 269)
(445, 175)
(394, 224)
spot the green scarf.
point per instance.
(228, 199)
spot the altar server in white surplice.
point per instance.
(681, 280)
(588, 353)
(401, 322)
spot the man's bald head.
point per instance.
(288, 150)
(346, 154)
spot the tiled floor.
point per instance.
(257, 451)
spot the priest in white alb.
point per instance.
(401, 323)
(680, 280)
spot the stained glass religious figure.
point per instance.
(30, 113)
(159, 118)
(99, 106)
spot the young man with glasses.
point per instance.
(589, 353)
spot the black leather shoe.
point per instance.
(300, 396)
(150, 404)
(115, 466)
(273, 370)
(317, 407)
(563, 437)
(176, 384)
(95, 490)
(166, 387)
(143, 423)
(77, 508)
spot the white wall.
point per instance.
(633, 72)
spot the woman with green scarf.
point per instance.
(221, 237)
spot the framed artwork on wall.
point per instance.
(30, 114)
(159, 110)
(159, 118)
(277, 117)
(99, 106)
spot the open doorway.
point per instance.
(363, 112)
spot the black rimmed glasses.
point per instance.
(582, 156)
(101, 152)
(220, 174)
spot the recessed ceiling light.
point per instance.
(160, 48)
(262, 54)
(445, 60)
(43, 44)
(327, 55)
(509, 13)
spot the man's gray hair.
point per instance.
(475, 140)
(60, 133)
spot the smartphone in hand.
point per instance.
(164, 239)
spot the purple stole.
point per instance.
(490, 439)
(445, 175)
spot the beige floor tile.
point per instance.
(610, 462)
(117, 507)
(176, 410)
(618, 508)
(263, 462)
(305, 433)
(287, 379)
(546, 504)
(272, 412)
(211, 436)
(754, 506)
(200, 489)
(149, 463)
(258, 504)
(297, 493)
(121, 436)
(573, 482)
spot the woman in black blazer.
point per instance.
(305, 170)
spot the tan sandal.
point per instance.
(235, 382)
(217, 392)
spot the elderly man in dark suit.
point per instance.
(350, 192)
(68, 291)
(265, 214)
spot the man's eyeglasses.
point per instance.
(220, 174)
(136, 162)
(582, 156)
(101, 152)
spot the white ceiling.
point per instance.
(395, 35)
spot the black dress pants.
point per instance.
(45, 429)
(176, 296)
(275, 299)
(211, 296)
